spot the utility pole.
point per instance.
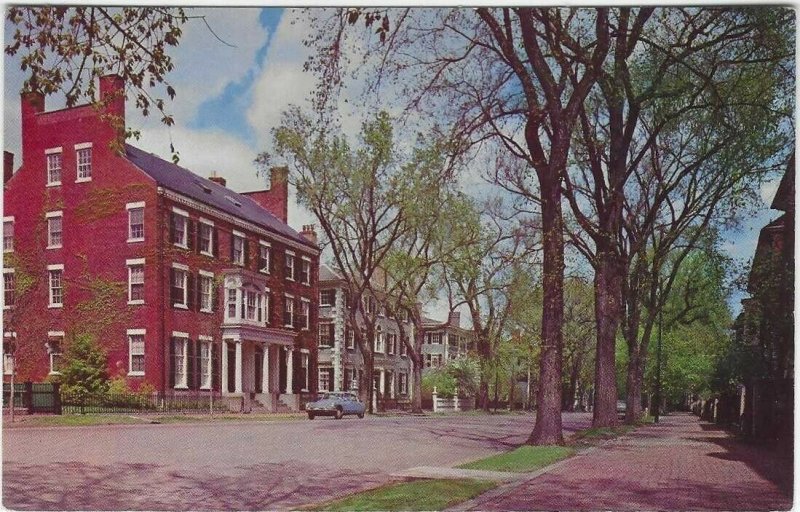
(657, 408)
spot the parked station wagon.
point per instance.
(336, 404)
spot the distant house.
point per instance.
(341, 365)
(187, 285)
(445, 341)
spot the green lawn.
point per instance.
(413, 495)
(523, 459)
(70, 420)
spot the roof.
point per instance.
(187, 183)
(784, 196)
(326, 273)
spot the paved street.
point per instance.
(244, 466)
(679, 464)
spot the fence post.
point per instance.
(435, 396)
(56, 398)
(28, 397)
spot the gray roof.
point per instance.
(326, 273)
(187, 183)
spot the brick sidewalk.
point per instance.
(679, 464)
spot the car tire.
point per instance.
(339, 414)
(361, 415)
(311, 415)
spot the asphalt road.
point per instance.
(243, 466)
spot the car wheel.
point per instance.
(361, 415)
(339, 414)
(311, 415)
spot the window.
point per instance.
(55, 274)
(135, 281)
(136, 351)
(237, 248)
(231, 300)
(9, 285)
(54, 342)
(324, 379)
(180, 234)
(264, 256)
(8, 363)
(54, 229)
(391, 341)
(305, 271)
(53, 167)
(206, 291)
(326, 334)
(433, 360)
(179, 291)
(265, 306)
(433, 338)
(351, 339)
(327, 297)
(305, 315)
(369, 304)
(179, 360)
(135, 222)
(288, 312)
(402, 379)
(379, 348)
(252, 305)
(403, 348)
(205, 364)
(8, 234)
(206, 237)
(289, 266)
(83, 155)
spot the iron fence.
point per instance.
(131, 403)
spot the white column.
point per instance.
(391, 385)
(223, 378)
(382, 385)
(289, 370)
(238, 366)
(265, 370)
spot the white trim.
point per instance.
(54, 184)
(130, 333)
(53, 151)
(290, 253)
(84, 180)
(206, 273)
(57, 213)
(204, 337)
(56, 266)
(83, 145)
(198, 205)
(137, 204)
(305, 351)
(136, 332)
(179, 334)
(135, 261)
(55, 334)
(8, 270)
(238, 233)
(304, 299)
(177, 210)
(305, 258)
(288, 296)
(260, 242)
(10, 334)
(180, 266)
(9, 218)
(206, 221)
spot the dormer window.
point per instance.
(54, 162)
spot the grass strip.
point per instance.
(522, 460)
(70, 420)
(412, 495)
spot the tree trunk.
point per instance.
(483, 394)
(608, 312)
(573, 383)
(548, 429)
(637, 361)
(416, 386)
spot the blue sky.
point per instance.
(230, 97)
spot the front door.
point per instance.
(258, 365)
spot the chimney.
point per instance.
(275, 199)
(8, 166)
(310, 232)
(31, 104)
(217, 179)
(454, 319)
(112, 94)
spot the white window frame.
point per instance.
(210, 225)
(51, 353)
(130, 207)
(183, 244)
(47, 154)
(391, 343)
(378, 346)
(138, 262)
(9, 271)
(184, 383)
(261, 246)
(204, 275)
(50, 269)
(185, 270)
(326, 373)
(305, 306)
(265, 306)
(131, 333)
(402, 379)
(327, 304)
(288, 306)
(205, 345)
(238, 236)
(350, 342)
(305, 261)
(289, 257)
(231, 301)
(83, 148)
(54, 215)
(8, 220)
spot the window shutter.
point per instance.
(172, 227)
(190, 291)
(173, 290)
(215, 366)
(191, 227)
(198, 295)
(172, 363)
(271, 261)
(247, 253)
(286, 318)
(232, 238)
(215, 242)
(190, 366)
(214, 296)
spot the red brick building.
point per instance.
(186, 284)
